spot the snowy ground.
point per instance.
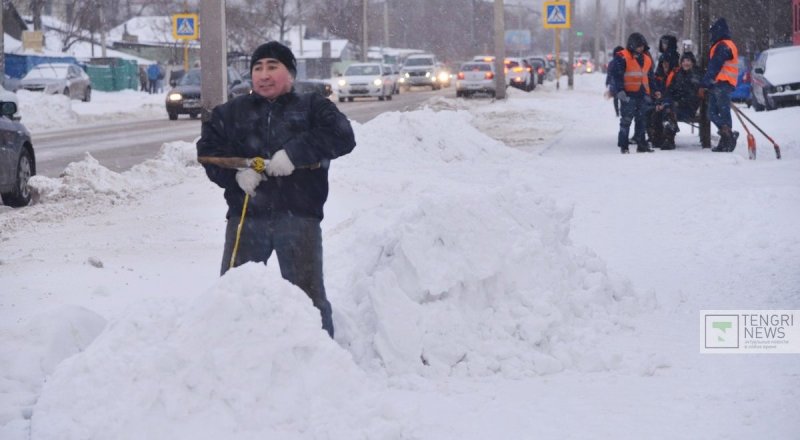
(497, 270)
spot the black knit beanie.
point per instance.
(277, 51)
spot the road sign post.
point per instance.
(557, 15)
(185, 27)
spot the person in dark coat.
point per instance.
(683, 86)
(661, 126)
(719, 82)
(300, 135)
(616, 52)
(631, 74)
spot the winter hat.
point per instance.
(277, 51)
(689, 56)
(635, 40)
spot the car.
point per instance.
(742, 91)
(540, 66)
(184, 98)
(52, 78)
(475, 77)
(420, 70)
(775, 80)
(520, 74)
(313, 85)
(364, 80)
(10, 83)
(17, 158)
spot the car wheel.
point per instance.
(341, 99)
(21, 194)
(380, 98)
(350, 99)
(756, 105)
(194, 115)
(87, 96)
(172, 116)
(66, 92)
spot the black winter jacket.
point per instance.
(308, 127)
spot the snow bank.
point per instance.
(247, 359)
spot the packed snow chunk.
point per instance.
(248, 359)
(32, 349)
(459, 285)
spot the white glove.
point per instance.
(248, 179)
(280, 164)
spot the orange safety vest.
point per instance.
(730, 70)
(636, 75)
(671, 75)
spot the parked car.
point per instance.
(742, 91)
(17, 159)
(475, 77)
(776, 78)
(364, 80)
(184, 98)
(53, 78)
(10, 83)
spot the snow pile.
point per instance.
(247, 359)
(42, 112)
(464, 273)
(86, 186)
(41, 342)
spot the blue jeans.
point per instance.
(632, 111)
(298, 243)
(719, 104)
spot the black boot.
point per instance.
(725, 140)
(643, 148)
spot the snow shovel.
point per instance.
(751, 141)
(259, 164)
(774, 144)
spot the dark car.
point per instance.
(776, 78)
(184, 98)
(313, 85)
(17, 161)
(540, 65)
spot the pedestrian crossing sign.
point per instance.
(556, 15)
(184, 26)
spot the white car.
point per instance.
(53, 78)
(475, 77)
(776, 78)
(365, 80)
(520, 74)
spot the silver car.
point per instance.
(475, 77)
(53, 78)
(17, 160)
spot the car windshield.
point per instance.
(362, 70)
(47, 71)
(192, 78)
(477, 67)
(419, 62)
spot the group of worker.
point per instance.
(656, 96)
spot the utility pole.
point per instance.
(598, 17)
(571, 54)
(102, 30)
(499, 50)
(385, 23)
(364, 46)
(702, 56)
(213, 56)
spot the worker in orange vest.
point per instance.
(720, 81)
(631, 77)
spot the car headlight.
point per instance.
(378, 82)
(443, 76)
(427, 74)
(342, 83)
(174, 97)
(779, 88)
